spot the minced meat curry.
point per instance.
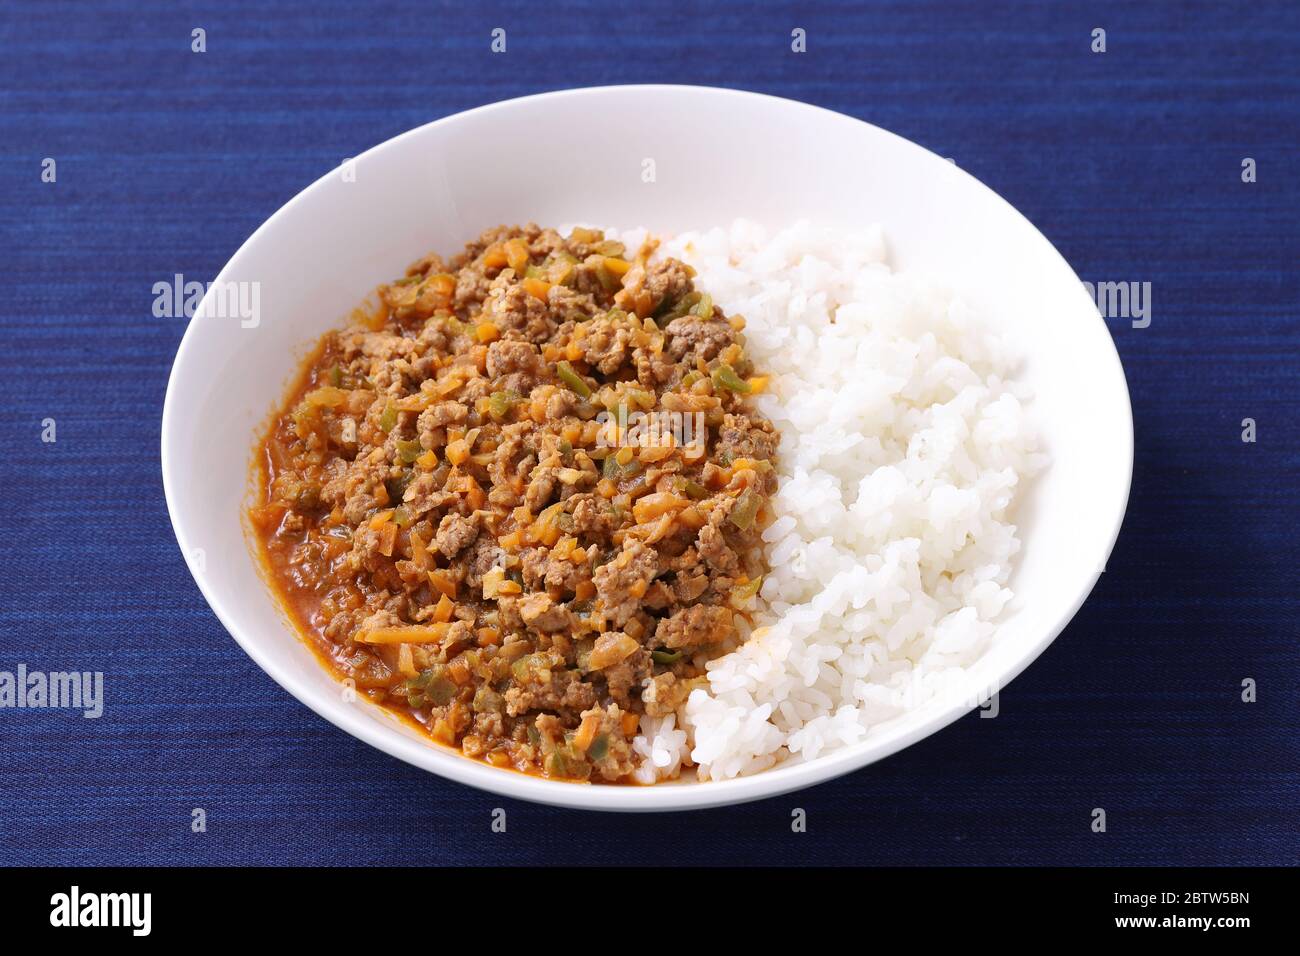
(458, 513)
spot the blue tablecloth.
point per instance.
(1129, 161)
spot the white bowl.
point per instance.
(578, 156)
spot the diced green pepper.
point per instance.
(666, 657)
(608, 281)
(572, 379)
(388, 420)
(745, 510)
(408, 451)
(695, 490)
(440, 691)
(500, 403)
(724, 376)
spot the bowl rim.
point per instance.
(660, 797)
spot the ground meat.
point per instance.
(695, 339)
(647, 287)
(484, 555)
(540, 489)
(433, 421)
(694, 627)
(664, 693)
(592, 515)
(455, 534)
(743, 437)
(562, 691)
(515, 363)
(539, 611)
(607, 344)
(425, 494)
(610, 749)
(514, 310)
(442, 475)
(360, 491)
(560, 403)
(540, 571)
(627, 675)
(622, 582)
(713, 548)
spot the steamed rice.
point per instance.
(903, 445)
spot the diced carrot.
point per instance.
(475, 496)
(516, 251)
(653, 505)
(379, 318)
(428, 461)
(629, 722)
(758, 384)
(586, 732)
(494, 257)
(458, 451)
(269, 516)
(488, 636)
(443, 732)
(691, 518)
(387, 539)
(406, 661)
(537, 288)
(616, 265)
(443, 584)
(327, 396)
(573, 351)
(404, 634)
(656, 452)
(493, 578)
(379, 520)
(419, 551)
(458, 670)
(444, 610)
(510, 542)
(488, 332)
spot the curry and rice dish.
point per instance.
(558, 503)
(521, 501)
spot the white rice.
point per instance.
(903, 445)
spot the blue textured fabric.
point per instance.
(1129, 161)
